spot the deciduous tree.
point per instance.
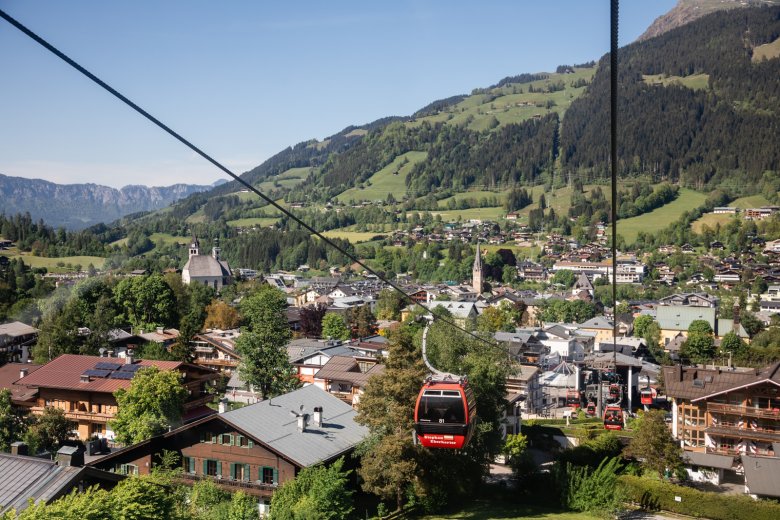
(654, 445)
(153, 403)
(12, 423)
(334, 326)
(320, 492)
(264, 361)
(220, 315)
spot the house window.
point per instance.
(244, 442)
(269, 475)
(212, 468)
(127, 469)
(97, 429)
(226, 439)
(207, 437)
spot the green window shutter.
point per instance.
(260, 473)
(192, 464)
(233, 470)
(239, 440)
(250, 444)
(276, 476)
(205, 467)
(219, 438)
(219, 468)
(246, 472)
(230, 440)
(213, 438)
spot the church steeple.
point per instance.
(194, 247)
(477, 281)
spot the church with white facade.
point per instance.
(206, 269)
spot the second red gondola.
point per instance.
(613, 418)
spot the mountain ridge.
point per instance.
(77, 206)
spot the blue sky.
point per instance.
(243, 79)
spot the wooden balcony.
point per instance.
(736, 452)
(737, 432)
(89, 417)
(254, 487)
(747, 411)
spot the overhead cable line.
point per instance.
(51, 48)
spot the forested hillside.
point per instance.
(722, 132)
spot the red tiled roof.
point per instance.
(9, 374)
(65, 372)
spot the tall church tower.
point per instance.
(194, 247)
(477, 280)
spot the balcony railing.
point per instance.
(750, 411)
(735, 451)
(255, 485)
(744, 433)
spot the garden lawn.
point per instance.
(485, 510)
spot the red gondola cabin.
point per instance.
(613, 418)
(573, 398)
(445, 414)
(591, 408)
(646, 396)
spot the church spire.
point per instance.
(477, 282)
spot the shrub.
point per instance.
(655, 495)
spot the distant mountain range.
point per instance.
(77, 206)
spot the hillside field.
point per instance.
(659, 218)
(390, 179)
(51, 263)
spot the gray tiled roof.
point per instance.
(271, 423)
(762, 475)
(22, 478)
(207, 265)
(709, 460)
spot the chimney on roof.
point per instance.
(129, 356)
(18, 448)
(84, 378)
(70, 456)
(23, 372)
(160, 330)
(318, 416)
(303, 420)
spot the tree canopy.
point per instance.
(153, 403)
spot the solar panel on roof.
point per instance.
(107, 366)
(130, 368)
(92, 372)
(121, 375)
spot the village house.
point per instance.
(83, 387)
(675, 319)
(728, 420)
(254, 449)
(16, 338)
(346, 377)
(216, 349)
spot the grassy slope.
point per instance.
(767, 51)
(385, 181)
(51, 263)
(477, 111)
(694, 81)
(712, 220)
(661, 217)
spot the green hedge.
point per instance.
(655, 495)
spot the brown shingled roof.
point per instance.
(65, 372)
(679, 382)
(344, 368)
